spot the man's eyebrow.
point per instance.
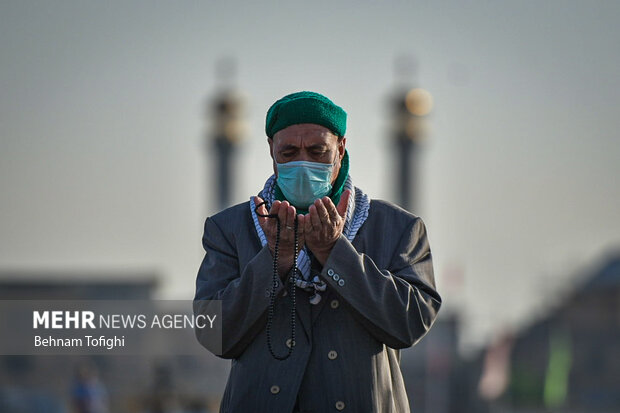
(288, 146)
(317, 146)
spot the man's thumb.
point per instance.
(344, 202)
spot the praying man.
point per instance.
(320, 286)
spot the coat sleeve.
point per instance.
(398, 304)
(244, 292)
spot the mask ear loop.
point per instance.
(274, 284)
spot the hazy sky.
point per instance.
(102, 128)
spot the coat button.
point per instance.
(336, 277)
(330, 272)
(339, 405)
(341, 282)
(334, 303)
(332, 355)
(290, 343)
(275, 389)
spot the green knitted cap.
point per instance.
(305, 107)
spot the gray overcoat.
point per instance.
(380, 298)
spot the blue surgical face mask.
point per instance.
(302, 182)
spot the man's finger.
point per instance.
(322, 211)
(262, 210)
(331, 210)
(275, 208)
(314, 217)
(344, 202)
(290, 216)
(304, 222)
(283, 214)
(301, 223)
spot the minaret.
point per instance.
(409, 106)
(226, 112)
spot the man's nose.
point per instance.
(303, 156)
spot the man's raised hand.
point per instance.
(286, 214)
(323, 225)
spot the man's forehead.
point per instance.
(305, 133)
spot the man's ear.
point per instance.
(273, 159)
(270, 141)
(341, 146)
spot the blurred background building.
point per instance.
(103, 383)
